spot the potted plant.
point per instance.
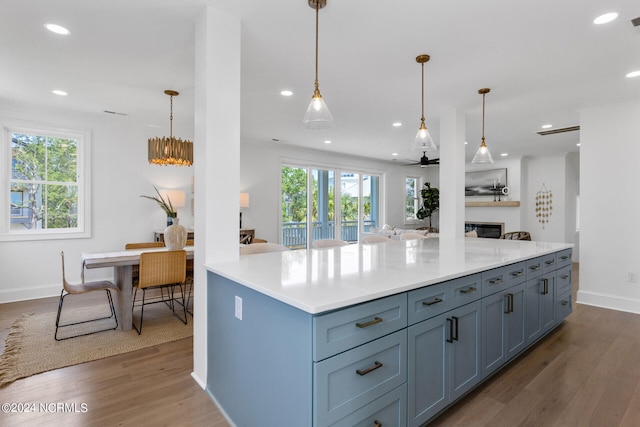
(165, 205)
(430, 202)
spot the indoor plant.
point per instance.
(166, 206)
(430, 202)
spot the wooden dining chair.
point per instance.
(83, 288)
(165, 269)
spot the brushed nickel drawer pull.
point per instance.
(377, 423)
(468, 290)
(564, 302)
(565, 277)
(564, 257)
(434, 301)
(545, 288)
(535, 267)
(551, 261)
(496, 281)
(517, 273)
(375, 366)
(370, 323)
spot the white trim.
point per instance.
(614, 302)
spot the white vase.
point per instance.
(175, 235)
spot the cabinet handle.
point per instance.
(369, 323)
(377, 423)
(564, 277)
(496, 281)
(509, 308)
(375, 366)
(434, 301)
(535, 267)
(545, 286)
(506, 309)
(456, 320)
(468, 290)
(551, 261)
(450, 339)
(564, 257)
(564, 302)
(517, 273)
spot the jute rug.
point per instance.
(31, 349)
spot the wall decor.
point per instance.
(485, 183)
(544, 205)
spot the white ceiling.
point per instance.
(543, 60)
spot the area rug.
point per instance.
(31, 349)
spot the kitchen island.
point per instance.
(385, 334)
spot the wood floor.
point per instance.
(586, 373)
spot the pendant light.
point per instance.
(423, 141)
(318, 115)
(170, 151)
(483, 155)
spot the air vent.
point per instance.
(559, 130)
(636, 22)
(115, 113)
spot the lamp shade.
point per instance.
(244, 200)
(177, 197)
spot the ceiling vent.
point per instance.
(559, 130)
(636, 22)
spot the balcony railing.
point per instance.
(294, 234)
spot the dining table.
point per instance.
(122, 263)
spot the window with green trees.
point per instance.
(355, 202)
(45, 183)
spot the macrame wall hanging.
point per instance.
(544, 205)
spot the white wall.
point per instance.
(609, 206)
(120, 174)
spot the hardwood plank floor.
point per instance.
(585, 373)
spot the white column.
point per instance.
(452, 168)
(216, 159)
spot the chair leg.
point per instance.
(190, 284)
(133, 323)
(184, 307)
(58, 325)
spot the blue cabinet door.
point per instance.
(515, 321)
(494, 331)
(533, 322)
(427, 376)
(464, 352)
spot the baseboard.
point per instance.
(24, 294)
(220, 408)
(202, 384)
(613, 302)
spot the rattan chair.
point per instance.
(328, 243)
(161, 270)
(140, 245)
(376, 238)
(83, 288)
(259, 248)
(516, 235)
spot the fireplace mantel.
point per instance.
(505, 204)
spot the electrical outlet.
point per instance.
(632, 277)
(238, 309)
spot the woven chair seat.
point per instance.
(516, 235)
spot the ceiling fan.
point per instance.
(425, 161)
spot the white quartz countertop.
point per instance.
(319, 280)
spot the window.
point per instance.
(318, 196)
(44, 184)
(412, 201)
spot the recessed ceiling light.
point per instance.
(607, 17)
(58, 29)
(546, 126)
(286, 93)
(327, 141)
(59, 92)
(397, 124)
(465, 143)
(504, 154)
(394, 154)
(578, 144)
(633, 74)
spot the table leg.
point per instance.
(124, 299)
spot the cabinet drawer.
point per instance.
(516, 273)
(428, 302)
(389, 410)
(563, 306)
(465, 289)
(563, 281)
(341, 330)
(495, 280)
(563, 258)
(534, 268)
(549, 263)
(351, 380)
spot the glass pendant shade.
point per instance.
(423, 141)
(318, 115)
(482, 155)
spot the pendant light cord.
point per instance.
(317, 13)
(483, 95)
(171, 118)
(422, 117)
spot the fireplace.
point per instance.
(489, 230)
